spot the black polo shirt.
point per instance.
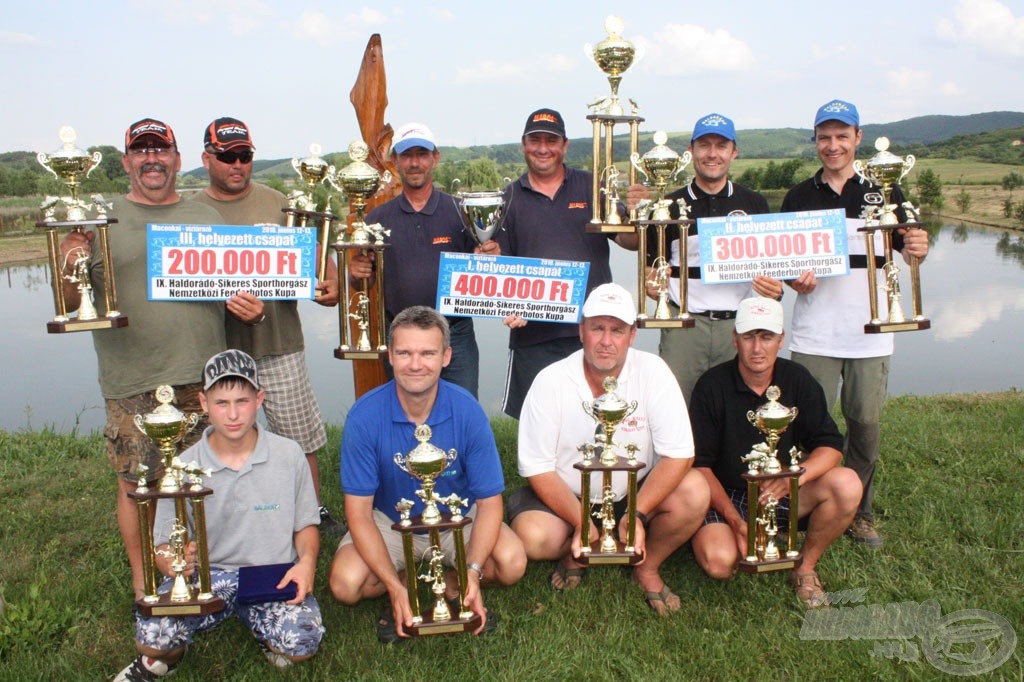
(722, 434)
(536, 226)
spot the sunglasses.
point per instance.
(230, 157)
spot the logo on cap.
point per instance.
(835, 107)
(149, 128)
(714, 121)
(544, 117)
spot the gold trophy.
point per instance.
(426, 462)
(608, 410)
(613, 55)
(660, 165)
(302, 209)
(885, 169)
(72, 165)
(182, 482)
(763, 464)
(481, 211)
(359, 181)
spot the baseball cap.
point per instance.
(413, 135)
(226, 133)
(837, 110)
(148, 126)
(612, 300)
(545, 121)
(230, 363)
(714, 124)
(759, 313)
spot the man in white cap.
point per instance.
(424, 222)
(722, 435)
(672, 499)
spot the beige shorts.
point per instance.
(421, 543)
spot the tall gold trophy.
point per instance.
(72, 165)
(763, 553)
(426, 462)
(182, 483)
(886, 170)
(659, 166)
(608, 410)
(302, 209)
(613, 55)
(359, 181)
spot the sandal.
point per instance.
(809, 590)
(387, 633)
(565, 578)
(660, 601)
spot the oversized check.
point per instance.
(474, 285)
(779, 245)
(213, 262)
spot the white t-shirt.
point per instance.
(553, 423)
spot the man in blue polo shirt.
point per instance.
(424, 222)
(382, 423)
(548, 209)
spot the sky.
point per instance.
(472, 71)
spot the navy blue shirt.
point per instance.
(536, 226)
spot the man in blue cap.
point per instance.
(691, 352)
(827, 334)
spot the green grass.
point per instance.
(949, 503)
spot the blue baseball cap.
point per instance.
(837, 110)
(714, 124)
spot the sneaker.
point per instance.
(329, 525)
(145, 669)
(279, 661)
(863, 531)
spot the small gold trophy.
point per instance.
(182, 483)
(72, 165)
(608, 410)
(763, 554)
(886, 170)
(481, 211)
(426, 462)
(302, 209)
(359, 181)
(659, 166)
(613, 55)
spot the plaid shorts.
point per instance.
(127, 446)
(292, 629)
(739, 500)
(289, 404)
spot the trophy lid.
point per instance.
(165, 413)
(614, 55)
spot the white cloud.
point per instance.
(315, 26)
(13, 38)
(683, 49)
(490, 71)
(242, 17)
(950, 89)
(988, 24)
(366, 17)
(442, 14)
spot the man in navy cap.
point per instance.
(827, 335)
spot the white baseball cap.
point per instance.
(612, 300)
(413, 135)
(759, 313)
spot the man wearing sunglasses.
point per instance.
(276, 341)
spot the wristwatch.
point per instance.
(476, 567)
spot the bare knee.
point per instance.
(715, 551)
(544, 536)
(509, 557)
(348, 575)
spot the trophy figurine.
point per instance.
(359, 181)
(72, 165)
(659, 166)
(885, 169)
(302, 208)
(763, 554)
(613, 55)
(608, 410)
(426, 462)
(182, 483)
(481, 211)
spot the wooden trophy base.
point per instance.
(610, 228)
(351, 354)
(671, 323)
(783, 563)
(76, 325)
(452, 626)
(907, 326)
(163, 606)
(620, 557)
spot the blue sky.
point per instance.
(473, 70)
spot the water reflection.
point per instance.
(972, 291)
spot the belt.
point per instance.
(718, 314)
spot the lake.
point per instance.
(972, 291)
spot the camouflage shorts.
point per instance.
(127, 446)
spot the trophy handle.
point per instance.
(43, 158)
(634, 160)
(908, 163)
(588, 50)
(400, 461)
(684, 161)
(139, 424)
(456, 183)
(858, 168)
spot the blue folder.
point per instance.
(258, 584)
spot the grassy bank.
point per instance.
(949, 503)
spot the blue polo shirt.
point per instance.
(377, 429)
(412, 260)
(540, 227)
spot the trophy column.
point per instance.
(302, 209)
(72, 165)
(606, 183)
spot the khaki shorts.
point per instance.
(421, 543)
(127, 446)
